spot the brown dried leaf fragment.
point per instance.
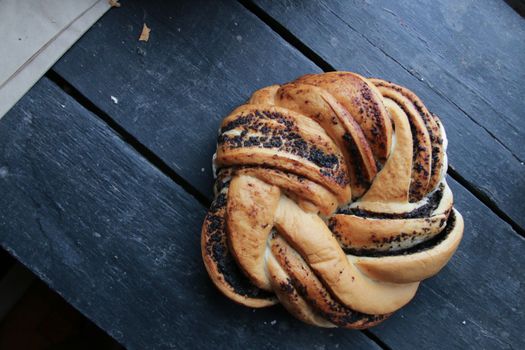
(144, 36)
(114, 3)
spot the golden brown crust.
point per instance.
(310, 236)
(417, 266)
(363, 102)
(422, 149)
(219, 263)
(319, 105)
(277, 137)
(264, 96)
(250, 211)
(330, 198)
(323, 200)
(314, 291)
(431, 123)
(290, 297)
(393, 182)
(375, 235)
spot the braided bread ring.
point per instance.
(330, 198)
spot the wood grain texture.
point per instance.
(463, 60)
(471, 53)
(119, 240)
(476, 301)
(173, 90)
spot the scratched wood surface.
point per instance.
(463, 58)
(118, 239)
(173, 90)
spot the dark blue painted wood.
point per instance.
(203, 59)
(119, 240)
(463, 58)
(476, 301)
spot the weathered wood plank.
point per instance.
(476, 301)
(467, 51)
(118, 239)
(173, 90)
(194, 76)
(492, 311)
(470, 75)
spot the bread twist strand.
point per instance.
(331, 199)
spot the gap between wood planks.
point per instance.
(127, 137)
(294, 41)
(435, 90)
(518, 6)
(165, 168)
(151, 157)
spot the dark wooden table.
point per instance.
(104, 201)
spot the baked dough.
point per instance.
(330, 198)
